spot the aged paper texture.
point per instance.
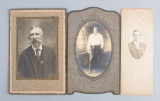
(137, 51)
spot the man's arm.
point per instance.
(102, 43)
(88, 45)
(21, 66)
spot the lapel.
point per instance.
(44, 57)
(140, 45)
(32, 58)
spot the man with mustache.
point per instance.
(38, 60)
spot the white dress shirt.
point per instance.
(34, 48)
(95, 39)
(136, 44)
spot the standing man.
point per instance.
(136, 47)
(94, 47)
(38, 60)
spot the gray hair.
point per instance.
(136, 30)
(36, 26)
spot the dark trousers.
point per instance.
(96, 50)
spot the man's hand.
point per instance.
(101, 46)
(89, 51)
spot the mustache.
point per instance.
(36, 40)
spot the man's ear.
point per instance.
(29, 38)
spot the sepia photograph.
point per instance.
(137, 40)
(93, 48)
(137, 51)
(136, 47)
(93, 51)
(37, 48)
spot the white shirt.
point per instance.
(95, 39)
(136, 44)
(34, 48)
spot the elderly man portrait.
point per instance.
(38, 60)
(136, 47)
(94, 47)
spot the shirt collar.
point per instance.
(95, 33)
(34, 48)
(136, 43)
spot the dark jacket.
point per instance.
(27, 66)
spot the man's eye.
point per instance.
(31, 34)
(37, 33)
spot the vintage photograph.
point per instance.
(37, 51)
(93, 48)
(137, 51)
(37, 48)
(93, 51)
(136, 47)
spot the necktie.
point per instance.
(38, 53)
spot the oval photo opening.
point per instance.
(93, 48)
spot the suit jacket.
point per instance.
(27, 66)
(137, 53)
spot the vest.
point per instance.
(39, 65)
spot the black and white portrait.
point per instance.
(136, 46)
(37, 51)
(93, 48)
(37, 48)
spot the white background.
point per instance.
(70, 5)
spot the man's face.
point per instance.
(136, 36)
(95, 30)
(36, 36)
